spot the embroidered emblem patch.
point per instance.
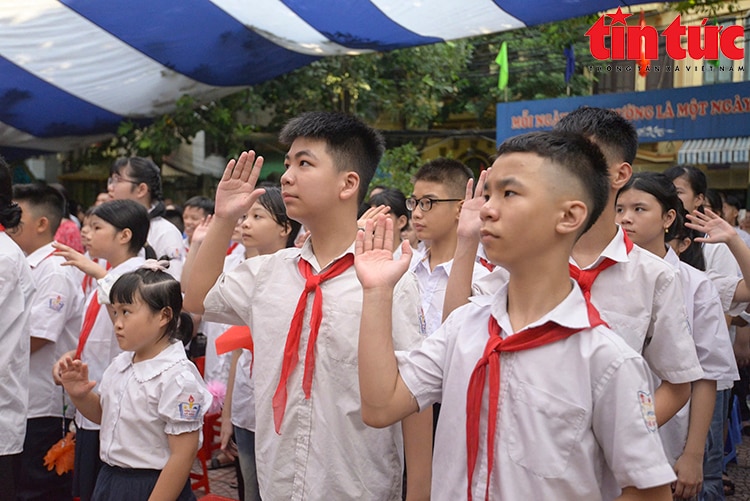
(56, 303)
(647, 410)
(189, 410)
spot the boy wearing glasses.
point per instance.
(435, 204)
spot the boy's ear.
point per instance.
(573, 217)
(350, 185)
(620, 175)
(458, 212)
(41, 225)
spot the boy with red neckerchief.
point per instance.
(303, 307)
(540, 399)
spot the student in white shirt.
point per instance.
(55, 322)
(435, 204)
(311, 442)
(118, 233)
(265, 230)
(151, 399)
(567, 433)
(650, 212)
(16, 291)
(139, 179)
(638, 294)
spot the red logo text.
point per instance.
(633, 42)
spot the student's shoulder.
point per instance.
(649, 265)
(606, 347)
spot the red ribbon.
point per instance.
(486, 264)
(585, 278)
(88, 323)
(527, 339)
(232, 247)
(291, 348)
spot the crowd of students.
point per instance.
(565, 329)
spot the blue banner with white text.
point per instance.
(710, 111)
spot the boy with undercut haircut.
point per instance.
(512, 428)
(56, 316)
(311, 442)
(637, 294)
(435, 203)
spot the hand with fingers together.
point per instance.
(469, 223)
(373, 255)
(236, 192)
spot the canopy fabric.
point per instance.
(72, 70)
(728, 150)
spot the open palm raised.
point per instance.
(236, 192)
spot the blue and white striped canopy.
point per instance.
(72, 70)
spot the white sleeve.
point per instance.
(624, 423)
(51, 305)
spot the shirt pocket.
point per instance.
(542, 430)
(339, 329)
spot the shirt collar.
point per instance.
(38, 255)
(615, 250)
(149, 369)
(571, 312)
(672, 257)
(422, 260)
(306, 253)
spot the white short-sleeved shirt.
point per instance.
(641, 299)
(243, 394)
(712, 344)
(101, 346)
(432, 285)
(16, 292)
(56, 316)
(166, 240)
(324, 450)
(217, 366)
(144, 402)
(575, 417)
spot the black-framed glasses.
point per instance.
(116, 178)
(425, 203)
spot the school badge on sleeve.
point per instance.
(647, 410)
(56, 303)
(189, 410)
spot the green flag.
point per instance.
(502, 62)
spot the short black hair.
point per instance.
(352, 144)
(733, 201)
(450, 173)
(204, 203)
(579, 157)
(45, 199)
(606, 128)
(714, 199)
